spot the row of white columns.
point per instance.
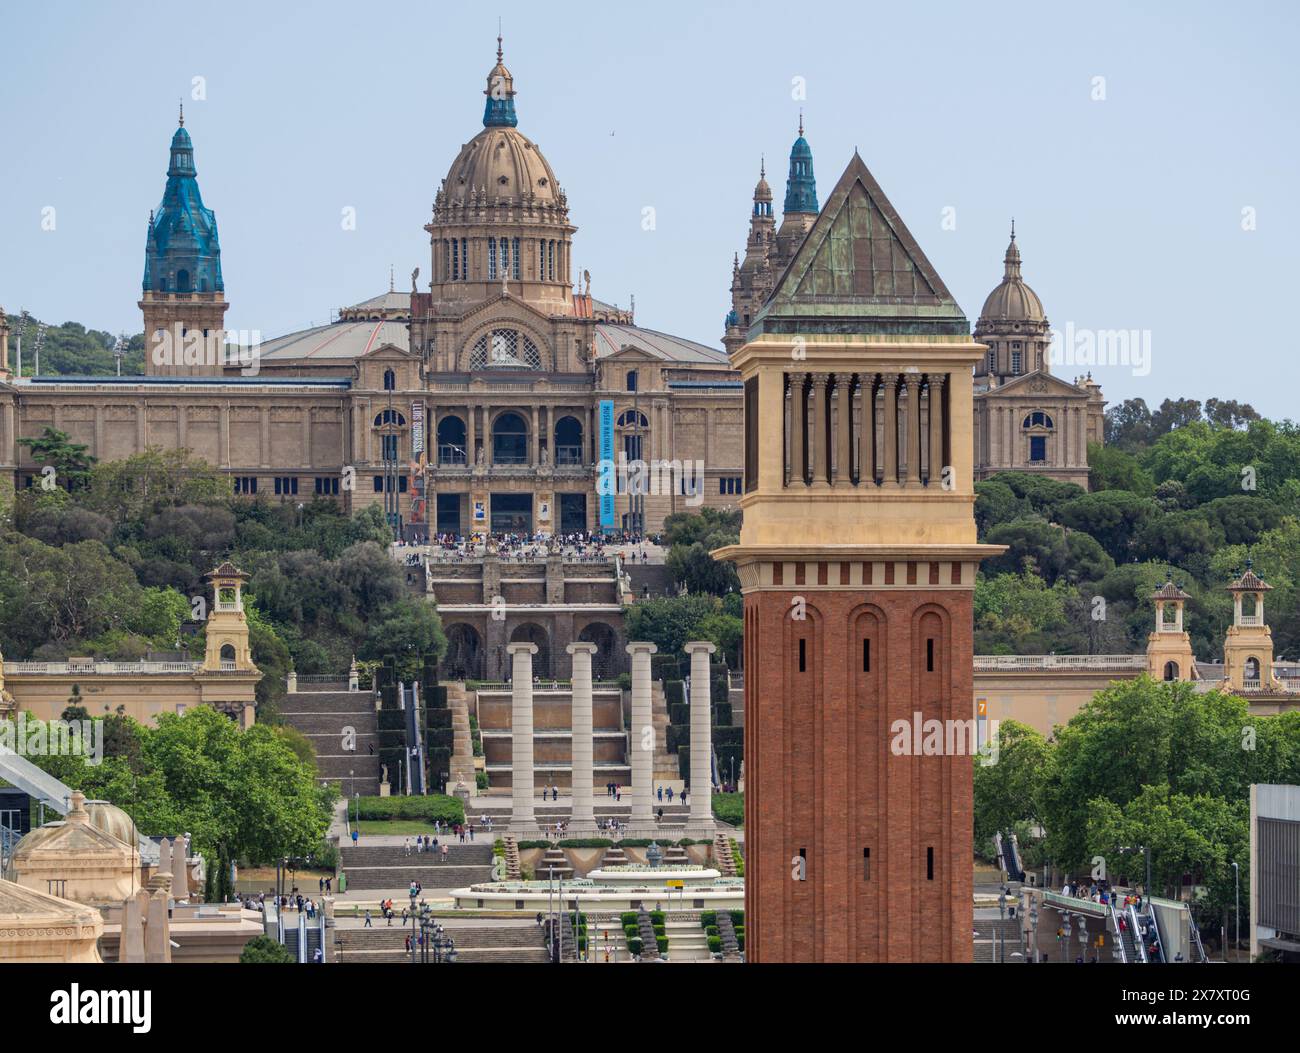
(641, 739)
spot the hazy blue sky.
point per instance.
(1129, 210)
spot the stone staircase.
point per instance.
(511, 844)
(322, 713)
(553, 864)
(727, 933)
(687, 940)
(389, 867)
(723, 858)
(462, 753)
(605, 932)
(649, 941)
(989, 935)
(614, 857)
(474, 943)
(665, 763)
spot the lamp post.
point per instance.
(1236, 909)
(1033, 924)
(1146, 851)
(414, 917)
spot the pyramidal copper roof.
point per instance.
(859, 271)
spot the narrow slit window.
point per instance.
(803, 655)
(929, 864)
(866, 864)
(929, 655)
(866, 656)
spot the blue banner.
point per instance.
(605, 478)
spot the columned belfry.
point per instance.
(857, 560)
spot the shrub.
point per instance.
(708, 917)
(430, 808)
(585, 842)
(628, 917)
(729, 808)
(662, 942)
(533, 844)
(737, 918)
(711, 930)
(715, 944)
(634, 944)
(262, 950)
(674, 692)
(481, 780)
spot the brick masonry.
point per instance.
(827, 731)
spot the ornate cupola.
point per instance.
(1013, 325)
(800, 202)
(500, 91)
(1169, 647)
(801, 186)
(500, 228)
(184, 293)
(752, 280)
(1248, 647)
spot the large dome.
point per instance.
(501, 162)
(1012, 300)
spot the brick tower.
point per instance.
(857, 561)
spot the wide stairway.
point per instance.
(997, 939)
(388, 867)
(324, 713)
(474, 943)
(462, 752)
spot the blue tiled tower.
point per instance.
(183, 291)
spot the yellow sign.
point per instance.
(675, 884)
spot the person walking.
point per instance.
(369, 922)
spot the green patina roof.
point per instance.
(860, 272)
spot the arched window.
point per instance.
(568, 441)
(1252, 670)
(509, 440)
(1038, 419)
(633, 419)
(227, 652)
(631, 380)
(182, 281)
(451, 441)
(390, 380)
(1171, 670)
(505, 349)
(389, 416)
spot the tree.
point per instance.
(996, 503)
(1110, 468)
(1019, 614)
(262, 950)
(670, 621)
(692, 566)
(409, 629)
(70, 461)
(1128, 425)
(1229, 413)
(1113, 517)
(1175, 413)
(1006, 792)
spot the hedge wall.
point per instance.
(430, 808)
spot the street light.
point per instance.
(1146, 851)
(1033, 922)
(1236, 910)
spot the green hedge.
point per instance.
(634, 944)
(707, 918)
(665, 667)
(721, 715)
(729, 808)
(430, 808)
(729, 737)
(675, 693)
(628, 917)
(662, 942)
(585, 842)
(715, 944)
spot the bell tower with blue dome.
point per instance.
(800, 212)
(183, 300)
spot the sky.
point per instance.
(1147, 152)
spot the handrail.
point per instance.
(1119, 935)
(1080, 662)
(1138, 941)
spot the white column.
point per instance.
(701, 814)
(521, 735)
(641, 736)
(581, 723)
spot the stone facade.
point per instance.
(1026, 419)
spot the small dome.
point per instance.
(113, 821)
(1012, 300)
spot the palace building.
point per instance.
(486, 397)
